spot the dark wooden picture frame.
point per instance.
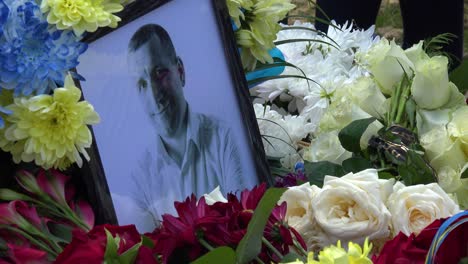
(92, 173)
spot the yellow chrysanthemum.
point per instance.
(82, 15)
(6, 98)
(235, 9)
(338, 255)
(257, 21)
(50, 130)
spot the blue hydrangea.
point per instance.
(4, 10)
(34, 56)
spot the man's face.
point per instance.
(159, 80)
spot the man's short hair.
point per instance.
(145, 33)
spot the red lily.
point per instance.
(53, 183)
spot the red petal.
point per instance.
(27, 255)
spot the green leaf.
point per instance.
(385, 175)
(250, 246)
(225, 255)
(463, 260)
(410, 109)
(146, 241)
(320, 33)
(352, 133)
(416, 170)
(459, 76)
(129, 256)
(286, 41)
(464, 174)
(268, 78)
(60, 231)
(10, 195)
(316, 171)
(112, 246)
(356, 164)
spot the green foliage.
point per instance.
(251, 244)
(111, 255)
(356, 164)
(464, 175)
(112, 245)
(459, 76)
(276, 168)
(434, 46)
(416, 170)
(316, 171)
(410, 110)
(350, 136)
(226, 254)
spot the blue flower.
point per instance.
(34, 56)
(4, 10)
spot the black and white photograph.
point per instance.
(172, 119)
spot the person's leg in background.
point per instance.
(423, 19)
(362, 12)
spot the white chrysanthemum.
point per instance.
(280, 134)
(331, 67)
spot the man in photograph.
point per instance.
(192, 152)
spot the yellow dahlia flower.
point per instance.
(50, 130)
(82, 15)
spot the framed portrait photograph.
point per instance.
(176, 116)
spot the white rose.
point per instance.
(458, 126)
(430, 88)
(300, 215)
(416, 53)
(352, 207)
(299, 201)
(449, 178)
(427, 120)
(327, 147)
(365, 93)
(214, 196)
(388, 63)
(341, 112)
(415, 207)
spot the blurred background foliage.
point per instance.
(389, 22)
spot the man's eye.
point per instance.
(142, 84)
(158, 73)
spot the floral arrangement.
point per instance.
(372, 165)
(38, 220)
(370, 104)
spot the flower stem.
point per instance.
(299, 247)
(395, 101)
(272, 248)
(205, 244)
(259, 260)
(60, 211)
(402, 102)
(31, 239)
